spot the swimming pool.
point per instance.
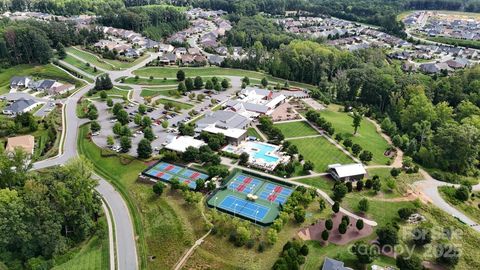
(261, 151)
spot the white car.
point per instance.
(113, 120)
(139, 132)
(95, 133)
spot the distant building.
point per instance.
(349, 172)
(26, 143)
(331, 264)
(19, 82)
(232, 125)
(181, 143)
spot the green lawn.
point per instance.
(296, 129)
(171, 72)
(80, 65)
(103, 63)
(367, 135)
(147, 81)
(183, 106)
(48, 71)
(469, 208)
(321, 152)
(253, 132)
(320, 182)
(93, 254)
(153, 92)
(114, 93)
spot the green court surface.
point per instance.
(263, 210)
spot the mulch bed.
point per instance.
(314, 232)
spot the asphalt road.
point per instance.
(124, 233)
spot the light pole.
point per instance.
(256, 213)
(235, 209)
(215, 203)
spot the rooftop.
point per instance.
(181, 143)
(348, 170)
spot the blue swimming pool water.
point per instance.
(263, 149)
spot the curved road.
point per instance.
(126, 252)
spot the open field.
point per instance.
(183, 106)
(80, 65)
(153, 92)
(296, 129)
(171, 72)
(148, 81)
(321, 152)
(367, 136)
(93, 254)
(103, 63)
(48, 71)
(113, 93)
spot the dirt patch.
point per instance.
(314, 231)
(284, 112)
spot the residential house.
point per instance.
(215, 59)
(20, 106)
(331, 264)
(60, 89)
(26, 143)
(18, 82)
(165, 48)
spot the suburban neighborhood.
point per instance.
(239, 135)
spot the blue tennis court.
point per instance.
(194, 174)
(163, 166)
(275, 193)
(191, 184)
(245, 184)
(244, 208)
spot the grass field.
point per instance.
(114, 93)
(48, 71)
(183, 106)
(93, 254)
(171, 72)
(469, 208)
(296, 129)
(367, 135)
(80, 65)
(153, 92)
(103, 63)
(147, 81)
(321, 152)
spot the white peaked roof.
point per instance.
(228, 132)
(181, 143)
(348, 170)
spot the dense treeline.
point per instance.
(32, 42)
(156, 22)
(250, 29)
(64, 7)
(42, 215)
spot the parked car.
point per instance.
(95, 133)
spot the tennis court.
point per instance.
(275, 193)
(245, 184)
(262, 208)
(166, 172)
(245, 208)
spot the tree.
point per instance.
(406, 212)
(61, 51)
(109, 102)
(225, 84)
(462, 193)
(359, 185)
(376, 185)
(142, 109)
(421, 235)
(328, 224)
(181, 87)
(148, 134)
(387, 235)
(272, 236)
(409, 262)
(217, 87)
(447, 254)
(366, 156)
(356, 149)
(321, 204)
(325, 235)
(363, 205)
(116, 108)
(243, 159)
(103, 94)
(110, 141)
(308, 166)
(165, 124)
(180, 75)
(299, 214)
(336, 207)
(144, 149)
(359, 224)
(246, 80)
(342, 228)
(198, 82)
(146, 121)
(92, 112)
(137, 119)
(117, 128)
(122, 117)
(158, 188)
(189, 84)
(339, 191)
(364, 252)
(191, 154)
(95, 126)
(348, 143)
(264, 82)
(209, 85)
(125, 144)
(395, 172)
(357, 120)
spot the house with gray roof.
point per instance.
(20, 106)
(331, 264)
(215, 59)
(17, 82)
(231, 124)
